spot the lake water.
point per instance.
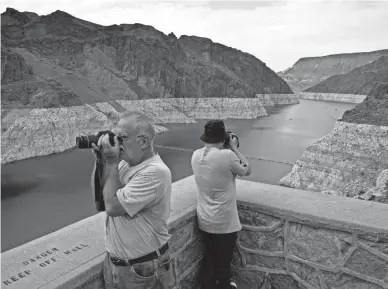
(44, 194)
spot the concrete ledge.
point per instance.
(314, 207)
(50, 257)
(72, 257)
(88, 275)
(299, 239)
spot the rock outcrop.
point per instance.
(59, 60)
(373, 110)
(310, 71)
(235, 63)
(360, 80)
(346, 162)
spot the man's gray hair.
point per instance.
(144, 125)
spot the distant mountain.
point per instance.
(59, 60)
(361, 80)
(308, 72)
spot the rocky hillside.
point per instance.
(346, 162)
(308, 72)
(373, 110)
(360, 80)
(59, 60)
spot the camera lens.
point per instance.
(82, 142)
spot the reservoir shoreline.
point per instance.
(38, 132)
(35, 132)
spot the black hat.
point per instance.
(214, 132)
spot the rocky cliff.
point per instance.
(308, 72)
(373, 110)
(59, 60)
(346, 162)
(360, 80)
(353, 159)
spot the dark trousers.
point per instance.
(217, 259)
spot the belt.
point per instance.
(148, 257)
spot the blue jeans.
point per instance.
(154, 274)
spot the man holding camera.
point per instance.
(215, 169)
(136, 190)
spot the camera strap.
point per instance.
(99, 185)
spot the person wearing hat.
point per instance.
(215, 170)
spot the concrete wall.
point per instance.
(291, 239)
(295, 239)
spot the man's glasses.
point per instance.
(122, 138)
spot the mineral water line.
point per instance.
(254, 158)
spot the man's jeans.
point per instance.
(216, 263)
(155, 274)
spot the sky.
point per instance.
(276, 32)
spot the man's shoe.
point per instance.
(233, 285)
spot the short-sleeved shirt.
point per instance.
(215, 173)
(146, 198)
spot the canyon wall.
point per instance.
(345, 162)
(59, 60)
(37, 132)
(352, 159)
(63, 76)
(310, 71)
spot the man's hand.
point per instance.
(233, 142)
(109, 153)
(95, 149)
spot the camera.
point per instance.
(227, 141)
(86, 141)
